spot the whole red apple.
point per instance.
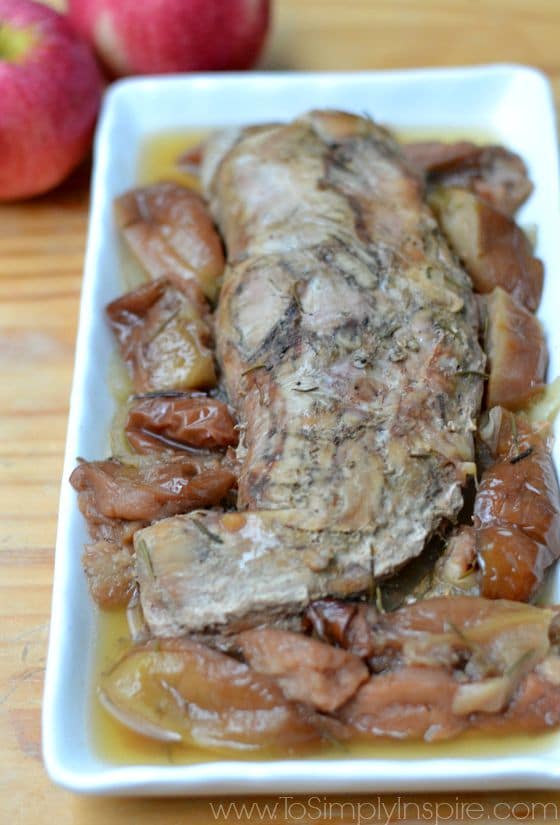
(159, 36)
(50, 91)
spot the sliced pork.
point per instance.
(216, 572)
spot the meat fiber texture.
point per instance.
(347, 335)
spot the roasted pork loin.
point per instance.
(349, 379)
(348, 342)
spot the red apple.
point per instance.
(159, 36)
(50, 91)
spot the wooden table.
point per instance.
(41, 250)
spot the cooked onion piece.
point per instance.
(494, 250)
(164, 337)
(517, 353)
(170, 231)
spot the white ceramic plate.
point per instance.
(512, 103)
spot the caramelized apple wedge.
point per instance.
(179, 421)
(517, 509)
(512, 564)
(443, 665)
(495, 174)
(170, 231)
(177, 690)
(516, 349)
(113, 490)
(494, 250)
(164, 337)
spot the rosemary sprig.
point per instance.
(514, 432)
(255, 367)
(478, 373)
(518, 664)
(163, 394)
(295, 295)
(206, 532)
(520, 456)
(372, 585)
(143, 550)
(165, 324)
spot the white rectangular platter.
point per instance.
(514, 105)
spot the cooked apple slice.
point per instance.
(443, 665)
(170, 231)
(517, 509)
(113, 490)
(177, 690)
(179, 421)
(495, 174)
(164, 337)
(494, 250)
(512, 562)
(516, 349)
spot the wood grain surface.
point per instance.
(41, 252)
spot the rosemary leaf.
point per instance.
(142, 549)
(518, 664)
(255, 367)
(478, 373)
(520, 456)
(205, 531)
